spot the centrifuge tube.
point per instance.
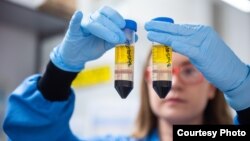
(124, 61)
(162, 65)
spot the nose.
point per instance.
(175, 77)
(176, 83)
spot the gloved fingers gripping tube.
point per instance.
(124, 61)
(162, 65)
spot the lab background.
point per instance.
(30, 29)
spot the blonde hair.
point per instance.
(216, 112)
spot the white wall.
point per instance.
(15, 43)
(233, 26)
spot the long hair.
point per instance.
(216, 112)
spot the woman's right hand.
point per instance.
(90, 40)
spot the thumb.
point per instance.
(185, 49)
(75, 22)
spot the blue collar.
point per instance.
(152, 136)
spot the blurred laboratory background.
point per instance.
(30, 29)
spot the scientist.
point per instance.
(41, 107)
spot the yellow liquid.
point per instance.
(162, 54)
(124, 54)
(162, 63)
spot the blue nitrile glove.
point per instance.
(207, 51)
(90, 40)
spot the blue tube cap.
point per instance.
(164, 19)
(131, 24)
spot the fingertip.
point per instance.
(149, 36)
(105, 8)
(77, 16)
(78, 13)
(113, 15)
(75, 21)
(146, 25)
(113, 38)
(122, 23)
(136, 37)
(122, 39)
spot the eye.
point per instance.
(189, 71)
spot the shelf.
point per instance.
(44, 24)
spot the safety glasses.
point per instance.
(188, 74)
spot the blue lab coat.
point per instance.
(32, 117)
